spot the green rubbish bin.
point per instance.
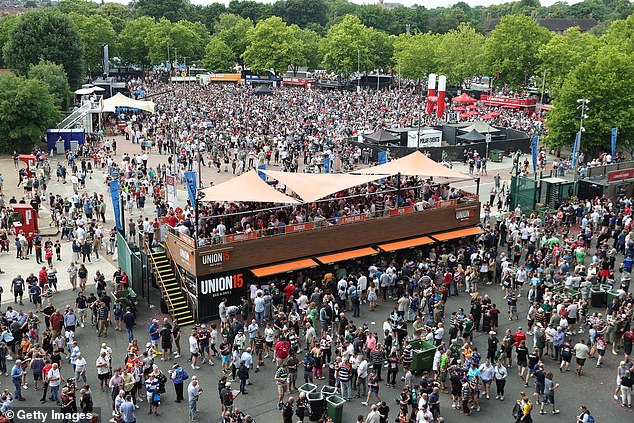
(614, 294)
(327, 391)
(423, 357)
(307, 388)
(334, 408)
(496, 155)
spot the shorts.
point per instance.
(37, 376)
(581, 361)
(37, 300)
(539, 389)
(572, 320)
(225, 358)
(549, 398)
(103, 376)
(269, 344)
(601, 352)
(513, 309)
(204, 348)
(522, 364)
(374, 390)
(282, 388)
(194, 354)
(486, 382)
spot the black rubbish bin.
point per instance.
(597, 297)
(316, 401)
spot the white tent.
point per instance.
(89, 90)
(119, 100)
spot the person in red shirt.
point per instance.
(519, 336)
(289, 289)
(43, 277)
(45, 370)
(282, 349)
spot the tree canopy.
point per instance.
(54, 76)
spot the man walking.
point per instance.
(193, 392)
(178, 376)
(16, 378)
(127, 410)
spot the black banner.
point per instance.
(213, 288)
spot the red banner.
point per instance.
(620, 175)
(300, 227)
(241, 237)
(352, 219)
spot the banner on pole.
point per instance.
(170, 191)
(327, 165)
(262, 175)
(535, 148)
(614, 135)
(190, 182)
(574, 150)
(116, 203)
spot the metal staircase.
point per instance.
(171, 289)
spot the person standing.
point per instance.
(178, 376)
(627, 380)
(129, 322)
(193, 392)
(500, 380)
(16, 378)
(127, 410)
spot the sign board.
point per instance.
(620, 175)
(465, 214)
(214, 259)
(213, 288)
(424, 139)
(452, 117)
(170, 191)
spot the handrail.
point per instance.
(191, 298)
(309, 226)
(75, 116)
(159, 277)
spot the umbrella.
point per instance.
(464, 98)
(552, 241)
(472, 107)
(465, 115)
(459, 109)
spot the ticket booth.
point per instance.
(24, 219)
(29, 160)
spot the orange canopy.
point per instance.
(347, 255)
(311, 187)
(246, 187)
(460, 233)
(408, 243)
(464, 98)
(415, 164)
(275, 269)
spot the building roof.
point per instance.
(555, 25)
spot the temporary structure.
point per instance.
(119, 100)
(246, 187)
(89, 90)
(415, 164)
(464, 98)
(314, 186)
(382, 136)
(481, 127)
(472, 136)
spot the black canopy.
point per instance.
(473, 136)
(382, 136)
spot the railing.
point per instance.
(74, 117)
(325, 223)
(192, 300)
(159, 278)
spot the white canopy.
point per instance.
(246, 187)
(414, 164)
(88, 90)
(119, 100)
(481, 127)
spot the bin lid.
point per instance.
(315, 396)
(335, 400)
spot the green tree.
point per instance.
(218, 56)
(310, 48)
(595, 80)
(54, 76)
(83, 7)
(511, 53)
(49, 35)
(188, 43)
(249, 9)
(563, 53)
(26, 111)
(131, 41)
(620, 35)
(302, 12)
(347, 46)
(117, 14)
(7, 25)
(232, 30)
(416, 55)
(381, 49)
(173, 10)
(94, 31)
(273, 45)
(459, 53)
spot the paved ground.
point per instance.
(595, 388)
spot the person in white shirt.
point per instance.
(362, 376)
(194, 349)
(80, 368)
(54, 380)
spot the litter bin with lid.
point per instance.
(334, 408)
(307, 388)
(597, 297)
(316, 401)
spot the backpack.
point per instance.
(184, 375)
(590, 418)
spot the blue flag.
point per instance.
(574, 150)
(116, 203)
(190, 181)
(382, 156)
(614, 134)
(327, 165)
(262, 174)
(535, 148)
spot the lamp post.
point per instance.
(583, 108)
(358, 70)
